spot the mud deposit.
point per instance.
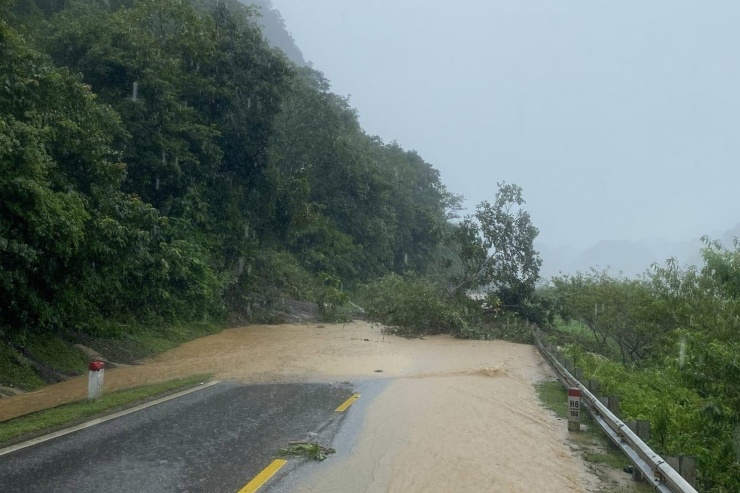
(456, 416)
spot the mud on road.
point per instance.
(455, 415)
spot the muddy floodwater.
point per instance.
(455, 416)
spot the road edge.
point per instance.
(46, 435)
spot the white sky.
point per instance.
(620, 119)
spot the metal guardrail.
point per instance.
(654, 469)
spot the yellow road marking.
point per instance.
(262, 477)
(347, 403)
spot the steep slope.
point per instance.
(276, 32)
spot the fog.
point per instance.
(619, 119)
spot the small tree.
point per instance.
(495, 248)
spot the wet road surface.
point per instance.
(436, 414)
(215, 440)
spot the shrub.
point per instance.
(505, 327)
(415, 305)
(331, 299)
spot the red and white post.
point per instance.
(95, 379)
(574, 409)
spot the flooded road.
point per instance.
(453, 415)
(483, 431)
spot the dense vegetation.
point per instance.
(164, 166)
(185, 152)
(491, 256)
(161, 162)
(668, 343)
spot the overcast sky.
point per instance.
(620, 119)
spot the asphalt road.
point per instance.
(215, 440)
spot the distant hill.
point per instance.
(630, 258)
(276, 32)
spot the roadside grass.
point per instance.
(71, 413)
(56, 354)
(16, 371)
(158, 340)
(554, 397)
(34, 360)
(609, 456)
(605, 460)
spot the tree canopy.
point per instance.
(158, 155)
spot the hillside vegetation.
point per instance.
(164, 169)
(161, 163)
(668, 344)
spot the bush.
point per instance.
(331, 299)
(682, 420)
(505, 327)
(415, 305)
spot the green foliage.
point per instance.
(17, 371)
(496, 248)
(675, 333)
(614, 460)
(161, 188)
(322, 248)
(494, 251)
(147, 340)
(54, 141)
(56, 353)
(162, 165)
(614, 309)
(267, 281)
(506, 327)
(310, 450)
(554, 396)
(682, 421)
(414, 305)
(331, 299)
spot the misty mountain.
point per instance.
(276, 32)
(630, 258)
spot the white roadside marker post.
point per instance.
(574, 409)
(95, 379)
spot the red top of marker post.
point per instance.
(96, 365)
(574, 392)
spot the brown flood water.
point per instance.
(458, 416)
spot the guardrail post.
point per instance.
(593, 387)
(685, 466)
(578, 374)
(611, 402)
(569, 365)
(615, 406)
(641, 428)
